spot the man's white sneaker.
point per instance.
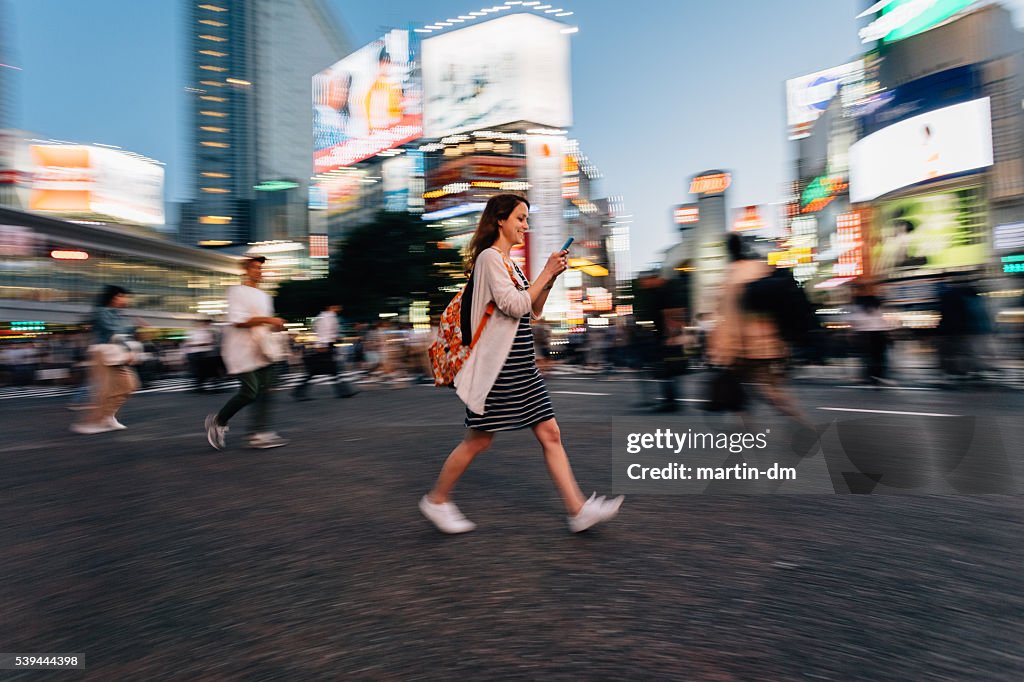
(446, 516)
(215, 432)
(115, 425)
(265, 441)
(89, 429)
(595, 510)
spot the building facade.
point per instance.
(250, 64)
(53, 270)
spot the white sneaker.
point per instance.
(446, 516)
(265, 441)
(115, 425)
(89, 429)
(215, 432)
(595, 510)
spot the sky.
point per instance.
(662, 89)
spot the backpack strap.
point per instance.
(483, 323)
(489, 311)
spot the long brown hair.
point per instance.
(499, 207)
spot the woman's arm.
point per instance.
(541, 286)
(499, 288)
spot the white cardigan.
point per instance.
(491, 282)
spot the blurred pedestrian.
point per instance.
(500, 383)
(249, 352)
(872, 331)
(112, 377)
(321, 359)
(749, 344)
(201, 350)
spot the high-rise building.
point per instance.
(8, 174)
(251, 63)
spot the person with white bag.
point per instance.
(250, 348)
(111, 358)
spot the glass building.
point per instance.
(250, 67)
(52, 271)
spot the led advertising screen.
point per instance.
(473, 178)
(937, 144)
(87, 181)
(368, 102)
(930, 233)
(808, 96)
(901, 19)
(515, 68)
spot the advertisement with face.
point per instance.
(367, 102)
(937, 144)
(928, 234)
(515, 68)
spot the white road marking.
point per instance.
(893, 388)
(913, 414)
(578, 393)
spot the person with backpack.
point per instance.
(499, 381)
(746, 338)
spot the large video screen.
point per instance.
(86, 181)
(368, 102)
(928, 234)
(515, 68)
(926, 147)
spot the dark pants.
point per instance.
(254, 387)
(876, 345)
(322, 362)
(203, 367)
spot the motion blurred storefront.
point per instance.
(51, 271)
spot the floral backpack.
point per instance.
(449, 351)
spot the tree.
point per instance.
(381, 267)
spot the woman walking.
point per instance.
(112, 377)
(500, 382)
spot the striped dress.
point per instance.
(519, 398)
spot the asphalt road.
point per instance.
(158, 558)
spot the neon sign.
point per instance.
(749, 219)
(820, 192)
(713, 183)
(686, 215)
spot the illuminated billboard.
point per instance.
(511, 69)
(937, 144)
(934, 232)
(748, 218)
(686, 214)
(899, 19)
(710, 182)
(88, 181)
(368, 102)
(474, 177)
(808, 96)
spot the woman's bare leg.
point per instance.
(550, 438)
(458, 461)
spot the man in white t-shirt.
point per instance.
(321, 359)
(247, 352)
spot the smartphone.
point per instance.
(567, 244)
